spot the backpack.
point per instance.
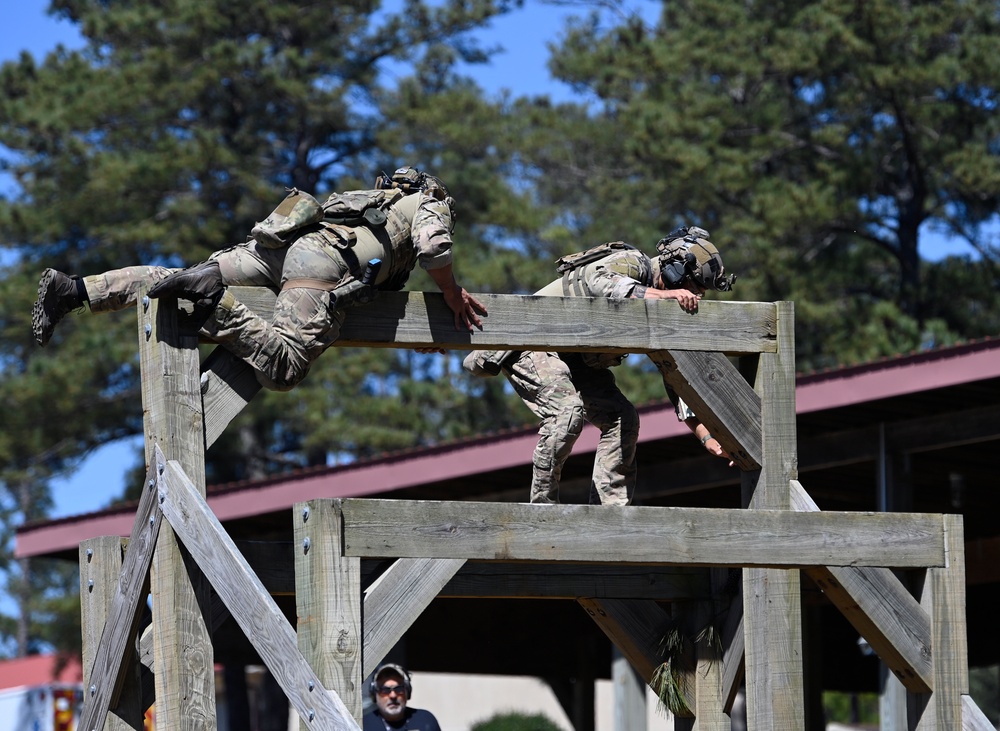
(300, 212)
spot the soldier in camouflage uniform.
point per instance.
(566, 389)
(407, 219)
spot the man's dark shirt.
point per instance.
(414, 719)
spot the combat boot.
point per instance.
(58, 295)
(201, 283)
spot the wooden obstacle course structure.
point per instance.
(342, 633)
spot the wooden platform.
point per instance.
(342, 632)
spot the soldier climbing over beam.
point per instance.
(566, 389)
(308, 251)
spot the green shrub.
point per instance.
(514, 721)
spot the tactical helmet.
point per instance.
(688, 254)
(409, 180)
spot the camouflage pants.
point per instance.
(564, 393)
(282, 349)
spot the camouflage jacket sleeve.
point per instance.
(620, 276)
(431, 232)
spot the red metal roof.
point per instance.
(832, 389)
(26, 672)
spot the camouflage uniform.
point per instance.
(566, 389)
(417, 229)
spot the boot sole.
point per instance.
(41, 326)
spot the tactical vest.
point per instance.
(575, 267)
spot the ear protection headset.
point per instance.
(399, 670)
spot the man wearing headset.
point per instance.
(564, 390)
(391, 689)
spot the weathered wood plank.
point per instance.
(328, 601)
(228, 385)
(710, 708)
(172, 411)
(772, 620)
(562, 581)
(974, 719)
(110, 663)
(273, 563)
(397, 598)
(529, 322)
(877, 604)
(733, 654)
(654, 535)
(628, 694)
(101, 563)
(720, 396)
(251, 606)
(944, 599)
(636, 627)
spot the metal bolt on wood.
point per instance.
(305, 544)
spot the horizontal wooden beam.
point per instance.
(272, 562)
(570, 581)
(665, 536)
(529, 322)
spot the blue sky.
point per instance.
(519, 67)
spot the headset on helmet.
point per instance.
(688, 254)
(398, 670)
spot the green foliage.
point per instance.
(514, 721)
(677, 646)
(850, 707)
(984, 687)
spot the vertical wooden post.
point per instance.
(183, 659)
(706, 673)
(895, 493)
(628, 694)
(328, 601)
(772, 597)
(100, 572)
(943, 598)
